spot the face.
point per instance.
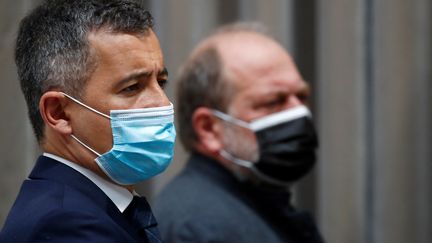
(129, 74)
(266, 80)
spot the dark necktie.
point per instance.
(141, 216)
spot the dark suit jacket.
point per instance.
(206, 203)
(59, 204)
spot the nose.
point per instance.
(158, 95)
(152, 96)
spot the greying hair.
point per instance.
(202, 82)
(52, 48)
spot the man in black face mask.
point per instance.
(242, 113)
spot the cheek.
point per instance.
(95, 131)
(240, 133)
(249, 135)
(241, 143)
(102, 135)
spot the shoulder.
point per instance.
(48, 210)
(191, 194)
(207, 224)
(62, 225)
(39, 197)
(195, 208)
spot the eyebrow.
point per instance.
(140, 74)
(164, 72)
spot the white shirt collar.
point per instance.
(120, 196)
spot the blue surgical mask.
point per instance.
(143, 143)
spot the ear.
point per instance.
(208, 130)
(52, 108)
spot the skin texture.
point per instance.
(129, 74)
(266, 81)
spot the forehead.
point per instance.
(252, 60)
(118, 55)
(113, 47)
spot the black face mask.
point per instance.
(287, 142)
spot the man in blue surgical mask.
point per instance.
(242, 113)
(93, 75)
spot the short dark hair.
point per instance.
(52, 48)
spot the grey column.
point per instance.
(375, 120)
(423, 116)
(341, 118)
(277, 15)
(401, 98)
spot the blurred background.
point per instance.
(369, 63)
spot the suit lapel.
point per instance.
(50, 169)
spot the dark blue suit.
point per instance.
(59, 204)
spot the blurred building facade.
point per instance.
(370, 66)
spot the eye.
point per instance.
(303, 97)
(131, 88)
(277, 101)
(272, 103)
(163, 83)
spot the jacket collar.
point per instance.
(52, 170)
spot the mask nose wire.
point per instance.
(86, 106)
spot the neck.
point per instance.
(71, 150)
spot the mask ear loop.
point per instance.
(231, 119)
(238, 161)
(85, 145)
(86, 106)
(238, 122)
(92, 109)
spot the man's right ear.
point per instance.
(52, 109)
(208, 130)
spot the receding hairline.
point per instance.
(225, 36)
(227, 31)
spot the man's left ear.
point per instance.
(207, 130)
(52, 106)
